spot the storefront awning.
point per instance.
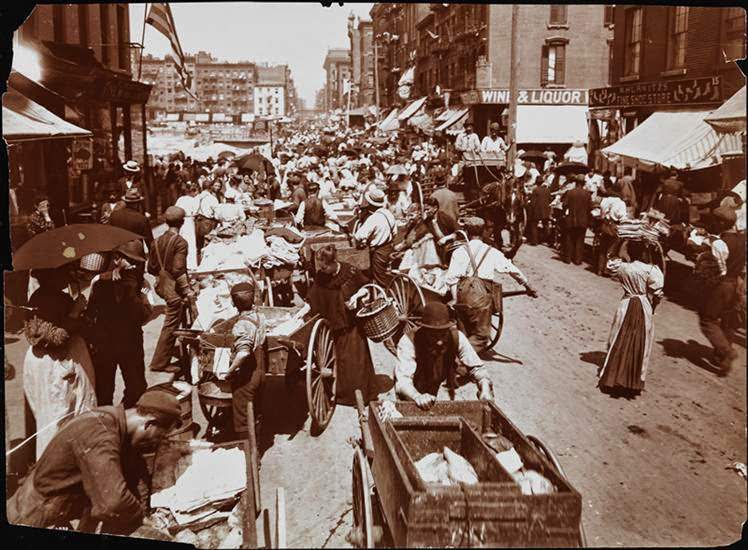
(361, 111)
(678, 139)
(458, 115)
(412, 108)
(551, 123)
(730, 117)
(390, 122)
(25, 120)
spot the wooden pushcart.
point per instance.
(393, 506)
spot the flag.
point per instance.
(161, 19)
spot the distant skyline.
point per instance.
(297, 34)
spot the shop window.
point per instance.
(558, 15)
(633, 42)
(676, 44)
(553, 64)
(733, 33)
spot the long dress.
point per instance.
(632, 332)
(189, 204)
(355, 368)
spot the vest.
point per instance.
(431, 371)
(736, 260)
(314, 214)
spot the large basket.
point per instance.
(378, 315)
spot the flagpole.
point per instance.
(142, 40)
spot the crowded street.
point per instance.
(438, 308)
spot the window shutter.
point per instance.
(544, 66)
(560, 63)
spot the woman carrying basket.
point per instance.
(334, 295)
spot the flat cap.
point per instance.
(174, 214)
(159, 400)
(474, 221)
(725, 214)
(240, 288)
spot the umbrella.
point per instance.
(397, 170)
(569, 168)
(68, 243)
(533, 156)
(254, 162)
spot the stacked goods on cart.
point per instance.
(214, 297)
(422, 264)
(233, 229)
(245, 250)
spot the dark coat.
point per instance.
(134, 221)
(175, 259)
(578, 204)
(540, 203)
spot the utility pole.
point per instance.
(376, 78)
(512, 130)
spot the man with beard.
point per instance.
(92, 469)
(429, 356)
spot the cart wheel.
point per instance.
(497, 324)
(409, 302)
(320, 376)
(280, 518)
(546, 452)
(362, 534)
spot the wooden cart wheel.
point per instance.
(546, 452)
(321, 372)
(409, 302)
(497, 325)
(362, 534)
(280, 518)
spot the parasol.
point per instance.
(68, 243)
(254, 162)
(534, 156)
(397, 170)
(570, 168)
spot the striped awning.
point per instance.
(458, 115)
(412, 108)
(390, 122)
(730, 117)
(679, 140)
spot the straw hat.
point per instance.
(375, 197)
(131, 166)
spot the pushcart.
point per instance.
(173, 457)
(394, 507)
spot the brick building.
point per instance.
(337, 67)
(361, 35)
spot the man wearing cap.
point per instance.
(168, 262)
(468, 140)
(493, 142)
(577, 204)
(131, 218)
(314, 211)
(730, 252)
(473, 269)
(430, 355)
(377, 232)
(116, 314)
(93, 470)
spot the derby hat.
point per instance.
(436, 316)
(132, 250)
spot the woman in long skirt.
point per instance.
(189, 203)
(333, 295)
(632, 332)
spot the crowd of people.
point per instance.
(402, 190)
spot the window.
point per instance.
(633, 42)
(558, 15)
(553, 64)
(608, 12)
(676, 44)
(733, 33)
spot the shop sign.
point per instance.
(119, 90)
(693, 91)
(540, 96)
(82, 154)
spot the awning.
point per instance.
(678, 139)
(390, 122)
(551, 123)
(423, 122)
(361, 111)
(25, 120)
(412, 108)
(458, 115)
(730, 117)
(445, 114)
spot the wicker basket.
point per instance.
(378, 315)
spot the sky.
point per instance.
(297, 34)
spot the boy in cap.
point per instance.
(430, 355)
(314, 211)
(92, 468)
(472, 270)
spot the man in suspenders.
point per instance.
(472, 269)
(378, 232)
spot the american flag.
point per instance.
(161, 19)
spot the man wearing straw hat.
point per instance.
(131, 178)
(429, 356)
(377, 232)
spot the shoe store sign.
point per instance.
(693, 91)
(539, 96)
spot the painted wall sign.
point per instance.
(540, 96)
(693, 91)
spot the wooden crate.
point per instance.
(492, 513)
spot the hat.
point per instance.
(174, 214)
(375, 197)
(495, 126)
(162, 401)
(725, 214)
(474, 222)
(133, 250)
(436, 316)
(312, 185)
(132, 195)
(131, 166)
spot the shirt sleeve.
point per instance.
(405, 368)
(656, 282)
(179, 263)
(457, 267)
(364, 232)
(720, 253)
(469, 358)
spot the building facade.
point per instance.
(337, 67)
(270, 91)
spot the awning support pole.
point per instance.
(142, 42)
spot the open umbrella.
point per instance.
(253, 162)
(69, 243)
(397, 170)
(570, 168)
(533, 156)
